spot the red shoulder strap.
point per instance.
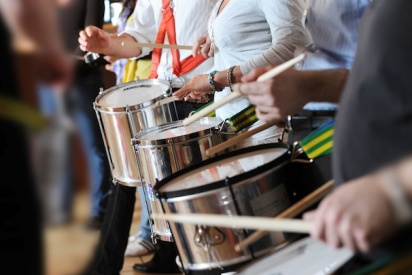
(167, 26)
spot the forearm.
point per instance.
(30, 20)
(221, 78)
(403, 171)
(117, 49)
(324, 85)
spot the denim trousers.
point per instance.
(81, 97)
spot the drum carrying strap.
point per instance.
(167, 26)
(243, 119)
(21, 113)
(319, 142)
(211, 114)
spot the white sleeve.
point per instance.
(286, 27)
(143, 27)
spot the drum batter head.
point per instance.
(137, 94)
(176, 132)
(223, 169)
(212, 173)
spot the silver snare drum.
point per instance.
(122, 112)
(254, 181)
(164, 150)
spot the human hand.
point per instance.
(111, 60)
(54, 68)
(276, 98)
(358, 215)
(203, 46)
(93, 39)
(195, 88)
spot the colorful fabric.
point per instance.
(167, 25)
(243, 119)
(136, 69)
(211, 114)
(319, 142)
(21, 113)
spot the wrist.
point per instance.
(397, 195)
(214, 84)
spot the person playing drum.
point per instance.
(272, 33)
(177, 67)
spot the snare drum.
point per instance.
(124, 110)
(254, 181)
(306, 256)
(164, 150)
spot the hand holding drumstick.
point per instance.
(236, 94)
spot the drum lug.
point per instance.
(296, 152)
(206, 236)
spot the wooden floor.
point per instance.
(69, 248)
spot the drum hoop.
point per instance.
(147, 143)
(285, 157)
(136, 107)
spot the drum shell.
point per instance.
(120, 125)
(264, 194)
(159, 159)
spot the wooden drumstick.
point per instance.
(155, 45)
(236, 94)
(235, 140)
(165, 101)
(292, 211)
(247, 222)
(78, 57)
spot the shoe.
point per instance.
(163, 261)
(93, 224)
(133, 237)
(152, 267)
(139, 247)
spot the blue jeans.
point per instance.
(53, 161)
(144, 227)
(81, 96)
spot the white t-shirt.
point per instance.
(191, 17)
(255, 33)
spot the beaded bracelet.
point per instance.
(212, 83)
(229, 77)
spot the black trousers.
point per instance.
(309, 176)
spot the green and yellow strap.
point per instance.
(243, 119)
(319, 142)
(21, 113)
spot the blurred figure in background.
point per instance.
(21, 236)
(75, 15)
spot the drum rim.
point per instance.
(147, 143)
(286, 156)
(135, 107)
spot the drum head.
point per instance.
(137, 94)
(308, 255)
(176, 132)
(213, 173)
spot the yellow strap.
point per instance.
(21, 113)
(136, 69)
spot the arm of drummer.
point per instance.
(142, 28)
(287, 93)
(35, 22)
(94, 39)
(285, 39)
(363, 213)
